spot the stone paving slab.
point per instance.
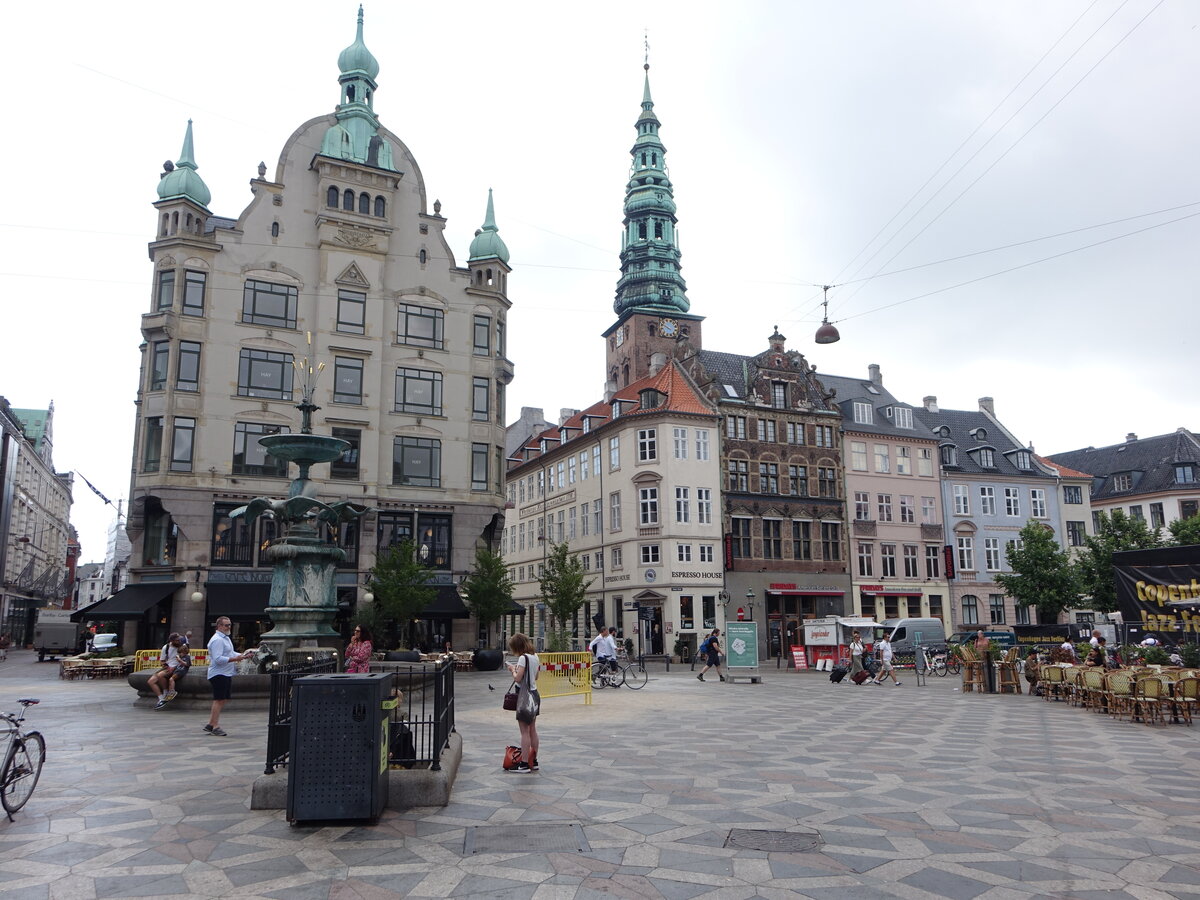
(916, 791)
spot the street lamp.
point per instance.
(750, 602)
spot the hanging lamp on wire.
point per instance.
(827, 334)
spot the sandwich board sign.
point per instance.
(741, 651)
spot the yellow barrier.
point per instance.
(149, 659)
(563, 674)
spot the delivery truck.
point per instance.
(54, 634)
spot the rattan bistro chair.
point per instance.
(1150, 697)
(1010, 678)
(1053, 682)
(1119, 687)
(1187, 695)
(1095, 696)
(972, 673)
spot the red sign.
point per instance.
(948, 555)
(782, 587)
(799, 658)
(741, 614)
(728, 552)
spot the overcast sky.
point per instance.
(797, 135)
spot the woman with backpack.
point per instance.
(711, 650)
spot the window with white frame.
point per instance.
(772, 539)
(902, 417)
(924, 462)
(614, 454)
(1072, 493)
(987, 501)
(823, 435)
(1021, 615)
(647, 444)
(801, 540)
(996, 608)
(703, 506)
(616, 557)
(970, 609)
(768, 478)
(887, 560)
(735, 428)
(862, 506)
(962, 500)
(650, 555)
(912, 567)
(1022, 459)
(701, 444)
(571, 524)
(599, 560)
(1122, 482)
(882, 459)
(740, 537)
(798, 481)
(933, 561)
(866, 558)
(795, 433)
(706, 553)
(991, 554)
(903, 461)
(584, 469)
(908, 512)
(682, 504)
(683, 553)
(885, 507)
(966, 554)
(779, 395)
(766, 430)
(863, 413)
(1075, 533)
(929, 510)
(987, 459)
(1012, 502)
(598, 515)
(681, 443)
(858, 456)
(1037, 503)
(585, 520)
(614, 511)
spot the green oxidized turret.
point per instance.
(183, 181)
(650, 270)
(356, 136)
(487, 243)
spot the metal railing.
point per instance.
(421, 725)
(279, 712)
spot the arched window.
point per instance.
(642, 230)
(380, 207)
(478, 277)
(364, 204)
(654, 159)
(643, 159)
(166, 222)
(174, 222)
(350, 93)
(188, 222)
(348, 200)
(331, 198)
(626, 372)
(274, 229)
(658, 232)
(422, 255)
(489, 277)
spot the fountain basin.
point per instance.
(304, 448)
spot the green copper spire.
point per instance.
(356, 136)
(487, 243)
(182, 181)
(650, 272)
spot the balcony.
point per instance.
(932, 532)
(865, 527)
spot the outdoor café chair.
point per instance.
(1187, 695)
(1119, 687)
(1093, 690)
(1053, 682)
(1150, 696)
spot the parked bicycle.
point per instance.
(23, 758)
(935, 663)
(632, 675)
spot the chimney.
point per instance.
(564, 414)
(876, 378)
(1130, 438)
(987, 405)
(930, 403)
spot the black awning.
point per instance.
(514, 609)
(131, 602)
(240, 602)
(446, 605)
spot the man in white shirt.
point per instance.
(221, 657)
(1068, 648)
(884, 647)
(604, 648)
(1150, 641)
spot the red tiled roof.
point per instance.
(1060, 468)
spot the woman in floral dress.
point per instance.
(358, 651)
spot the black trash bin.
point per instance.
(338, 758)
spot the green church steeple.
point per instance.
(356, 136)
(183, 181)
(488, 243)
(650, 272)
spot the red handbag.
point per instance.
(512, 757)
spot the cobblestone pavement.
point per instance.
(913, 791)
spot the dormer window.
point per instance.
(980, 434)
(1185, 473)
(902, 417)
(779, 395)
(864, 413)
(1122, 482)
(949, 454)
(986, 459)
(1023, 459)
(651, 398)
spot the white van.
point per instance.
(905, 635)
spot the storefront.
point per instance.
(789, 606)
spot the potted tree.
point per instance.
(487, 591)
(563, 588)
(401, 586)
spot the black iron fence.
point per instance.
(279, 713)
(421, 721)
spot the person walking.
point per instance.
(856, 654)
(529, 702)
(358, 651)
(884, 647)
(221, 657)
(713, 660)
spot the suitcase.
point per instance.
(838, 673)
(860, 677)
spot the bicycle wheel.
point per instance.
(954, 666)
(22, 771)
(598, 679)
(939, 668)
(635, 677)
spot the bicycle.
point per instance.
(23, 759)
(632, 676)
(935, 664)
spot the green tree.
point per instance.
(563, 587)
(402, 590)
(1094, 565)
(488, 589)
(1042, 574)
(1185, 532)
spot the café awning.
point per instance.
(131, 602)
(447, 604)
(240, 602)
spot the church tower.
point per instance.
(651, 301)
